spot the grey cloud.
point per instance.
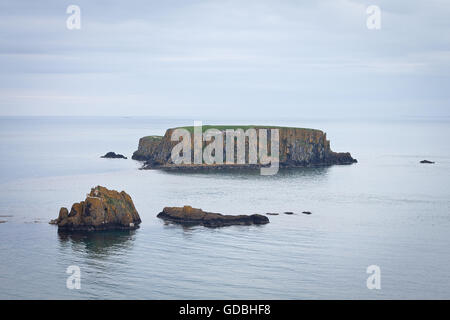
(186, 57)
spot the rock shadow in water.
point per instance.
(100, 242)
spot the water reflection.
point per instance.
(98, 243)
(247, 173)
(188, 231)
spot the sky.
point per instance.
(225, 58)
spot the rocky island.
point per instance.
(191, 216)
(103, 209)
(113, 155)
(298, 147)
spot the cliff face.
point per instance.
(303, 147)
(298, 147)
(147, 147)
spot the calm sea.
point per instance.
(387, 210)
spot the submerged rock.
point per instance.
(193, 216)
(288, 212)
(306, 212)
(113, 155)
(103, 209)
(426, 161)
(271, 214)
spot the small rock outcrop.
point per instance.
(426, 161)
(113, 155)
(191, 216)
(103, 209)
(286, 212)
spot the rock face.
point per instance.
(191, 216)
(298, 148)
(103, 209)
(147, 147)
(113, 155)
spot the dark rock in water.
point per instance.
(306, 212)
(103, 209)
(3, 221)
(191, 216)
(113, 155)
(288, 212)
(426, 161)
(272, 214)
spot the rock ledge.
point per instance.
(191, 216)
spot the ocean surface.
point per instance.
(387, 210)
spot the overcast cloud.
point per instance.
(194, 58)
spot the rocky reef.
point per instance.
(103, 209)
(113, 155)
(298, 147)
(191, 216)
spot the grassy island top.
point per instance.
(234, 127)
(153, 138)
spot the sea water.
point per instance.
(387, 210)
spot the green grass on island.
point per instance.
(190, 129)
(153, 138)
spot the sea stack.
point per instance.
(103, 209)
